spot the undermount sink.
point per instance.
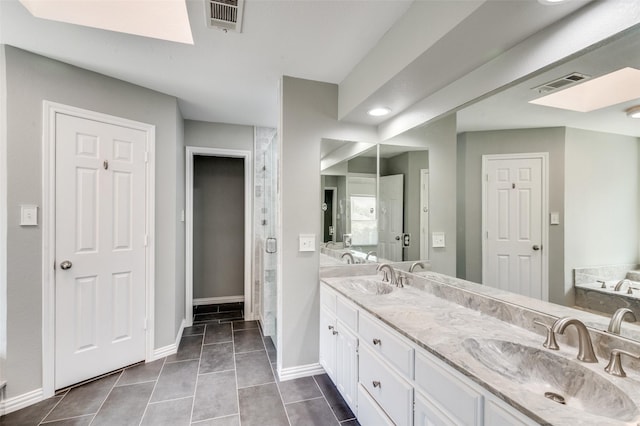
(369, 286)
(559, 379)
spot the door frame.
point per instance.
(191, 152)
(424, 223)
(544, 157)
(334, 210)
(50, 109)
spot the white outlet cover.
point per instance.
(28, 215)
(307, 242)
(437, 240)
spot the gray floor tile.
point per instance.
(193, 330)
(85, 399)
(124, 406)
(231, 315)
(221, 421)
(226, 307)
(218, 333)
(190, 347)
(244, 325)
(177, 380)
(205, 309)
(314, 412)
(253, 368)
(76, 421)
(176, 412)
(271, 349)
(335, 400)
(247, 340)
(216, 357)
(31, 415)
(261, 405)
(299, 390)
(141, 373)
(216, 396)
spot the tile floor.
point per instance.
(222, 375)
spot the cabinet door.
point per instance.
(369, 413)
(427, 414)
(497, 413)
(347, 365)
(328, 339)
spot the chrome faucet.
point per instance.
(349, 257)
(371, 253)
(621, 283)
(616, 319)
(615, 364)
(585, 347)
(416, 264)
(392, 280)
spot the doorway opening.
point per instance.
(218, 231)
(329, 215)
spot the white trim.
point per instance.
(248, 226)
(50, 109)
(169, 349)
(307, 370)
(215, 300)
(424, 224)
(3, 216)
(21, 401)
(544, 157)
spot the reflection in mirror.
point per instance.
(348, 184)
(589, 231)
(404, 203)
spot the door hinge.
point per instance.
(486, 235)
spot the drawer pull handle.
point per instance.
(330, 327)
(334, 332)
(376, 341)
(376, 384)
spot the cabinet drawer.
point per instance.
(456, 399)
(369, 413)
(347, 313)
(427, 414)
(382, 341)
(391, 391)
(328, 298)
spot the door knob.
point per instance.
(397, 237)
(536, 247)
(66, 265)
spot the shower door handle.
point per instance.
(272, 245)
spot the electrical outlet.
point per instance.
(437, 239)
(28, 215)
(307, 242)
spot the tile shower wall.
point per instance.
(265, 226)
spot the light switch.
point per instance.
(555, 218)
(437, 239)
(28, 215)
(307, 242)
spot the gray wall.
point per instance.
(472, 146)
(602, 185)
(218, 135)
(218, 227)
(309, 113)
(363, 165)
(30, 80)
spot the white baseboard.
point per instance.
(21, 401)
(300, 371)
(214, 300)
(169, 349)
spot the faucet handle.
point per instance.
(550, 341)
(604, 284)
(615, 364)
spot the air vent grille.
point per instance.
(225, 14)
(561, 82)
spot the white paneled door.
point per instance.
(391, 218)
(513, 215)
(100, 248)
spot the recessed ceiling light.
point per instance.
(634, 112)
(378, 112)
(547, 2)
(610, 89)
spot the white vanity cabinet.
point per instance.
(339, 344)
(388, 380)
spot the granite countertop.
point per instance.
(441, 327)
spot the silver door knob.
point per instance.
(397, 237)
(536, 247)
(66, 265)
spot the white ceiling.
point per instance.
(510, 109)
(224, 77)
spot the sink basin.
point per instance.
(561, 380)
(369, 286)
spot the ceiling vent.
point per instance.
(225, 14)
(561, 82)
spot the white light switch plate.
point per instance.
(555, 218)
(307, 242)
(28, 215)
(437, 239)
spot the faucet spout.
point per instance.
(349, 257)
(585, 347)
(622, 282)
(415, 265)
(371, 253)
(392, 274)
(616, 319)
